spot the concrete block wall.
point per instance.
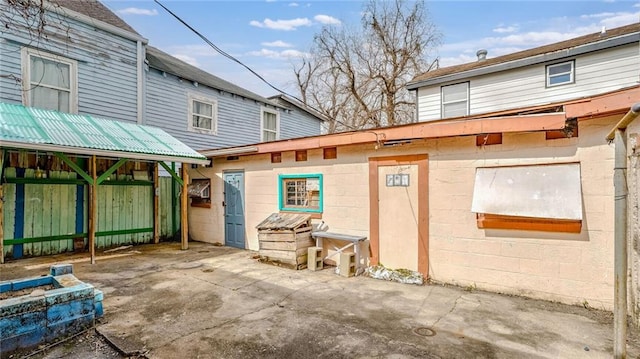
(571, 268)
(568, 267)
(29, 320)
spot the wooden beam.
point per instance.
(93, 209)
(75, 167)
(184, 196)
(112, 169)
(156, 204)
(171, 172)
(1, 226)
(1, 209)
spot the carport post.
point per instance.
(1, 225)
(93, 209)
(1, 209)
(156, 205)
(184, 224)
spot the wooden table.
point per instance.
(354, 241)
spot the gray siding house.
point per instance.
(207, 112)
(96, 68)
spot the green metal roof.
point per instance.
(32, 128)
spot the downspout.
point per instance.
(140, 82)
(618, 135)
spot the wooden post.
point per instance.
(184, 195)
(1, 210)
(1, 224)
(93, 210)
(156, 205)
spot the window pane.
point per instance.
(455, 92)
(48, 72)
(201, 108)
(201, 122)
(269, 136)
(559, 79)
(558, 69)
(49, 99)
(270, 122)
(455, 109)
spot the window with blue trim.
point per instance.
(300, 193)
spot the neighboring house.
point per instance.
(96, 68)
(516, 197)
(536, 78)
(205, 111)
(306, 118)
(84, 60)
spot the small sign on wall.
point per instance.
(398, 180)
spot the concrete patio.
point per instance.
(219, 302)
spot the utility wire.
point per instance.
(230, 57)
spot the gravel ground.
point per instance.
(89, 344)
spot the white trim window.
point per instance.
(203, 114)
(269, 125)
(455, 100)
(560, 74)
(49, 81)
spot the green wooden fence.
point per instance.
(43, 216)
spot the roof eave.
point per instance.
(528, 61)
(95, 22)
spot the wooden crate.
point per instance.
(284, 239)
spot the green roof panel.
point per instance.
(20, 125)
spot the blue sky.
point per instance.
(270, 35)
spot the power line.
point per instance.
(230, 57)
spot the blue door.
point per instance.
(234, 209)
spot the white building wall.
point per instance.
(595, 73)
(571, 268)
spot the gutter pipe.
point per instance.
(618, 135)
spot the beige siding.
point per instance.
(595, 73)
(566, 267)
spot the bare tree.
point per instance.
(357, 77)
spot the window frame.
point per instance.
(528, 205)
(443, 103)
(282, 179)
(214, 114)
(572, 73)
(264, 109)
(27, 53)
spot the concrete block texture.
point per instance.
(314, 258)
(60, 269)
(347, 264)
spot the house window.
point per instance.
(455, 100)
(200, 192)
(203, 114)
(50, 81)
(536, 197)
(270, 125)
(300, 193)
(560, 74)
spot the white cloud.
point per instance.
(327, 20)
(294, 4)
(596, 16)
(188, 59)
(285, 54)
(278, 43)
(505, 29)
(138, 11)
(286, 25)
